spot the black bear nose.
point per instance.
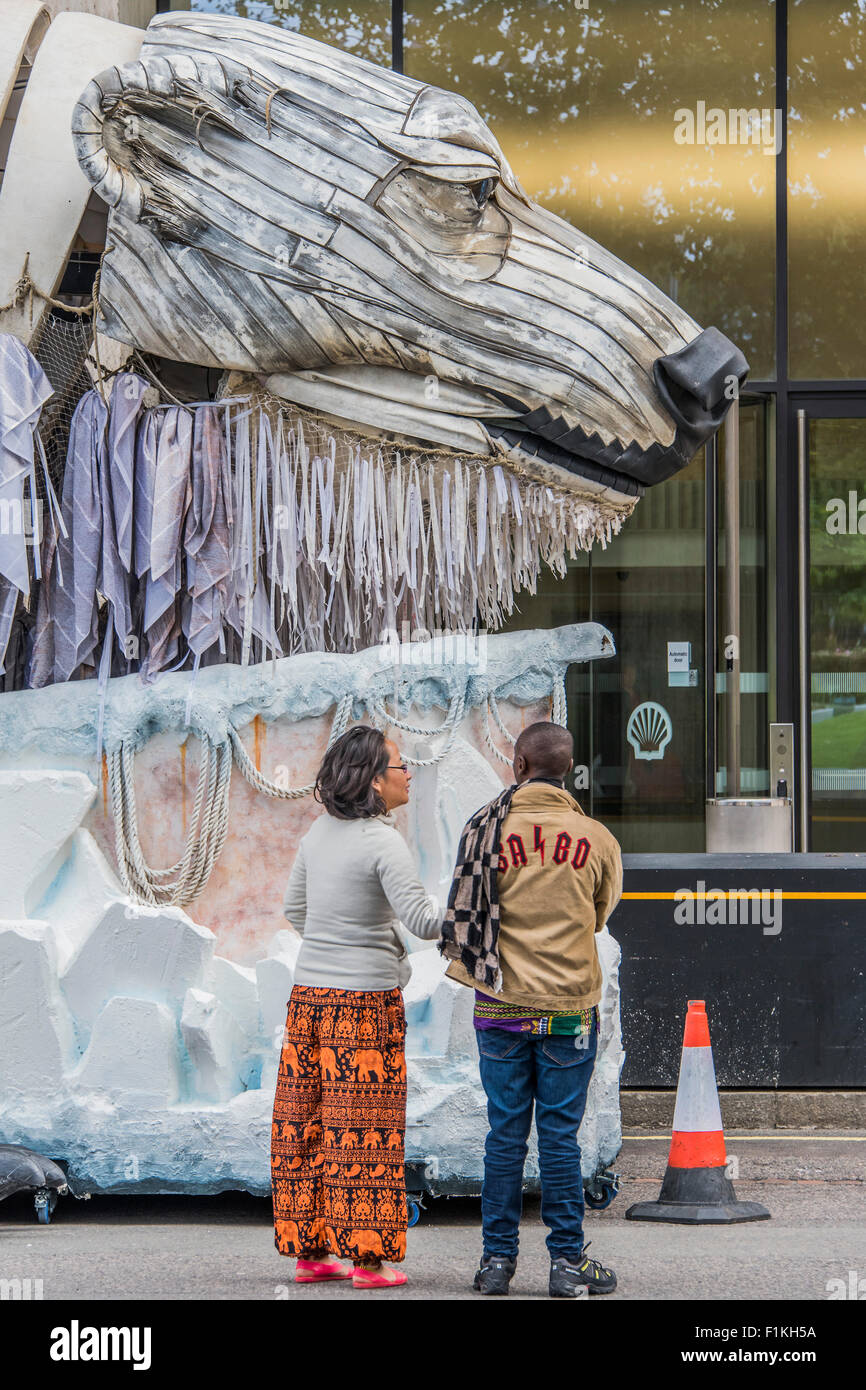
(698, 383)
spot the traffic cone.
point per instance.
(696, 1187)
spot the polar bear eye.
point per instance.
(482, 191)
(458, 222)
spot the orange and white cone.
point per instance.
(696, 1187)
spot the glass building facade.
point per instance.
(719, 148)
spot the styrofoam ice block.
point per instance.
(285, 945)
(132, 1056)
(446, 1123)
(154, 953)
(37, 1039)
(215, 1044)
(461, 1034)
(79, 895)
(600, 1134)
(465, 782)
(275, 976)
(39, 810)
(429, 1002)
(236, 988)
(189, 1147)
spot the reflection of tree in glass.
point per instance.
(827, 136)
(584, 102)
(837, 560)
(362, 27)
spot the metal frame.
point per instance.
(711, 635)
(836, 401)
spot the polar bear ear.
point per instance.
(175, 93)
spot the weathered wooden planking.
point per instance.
(562, 234)
(262, 43)
(402, 418)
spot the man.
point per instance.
(535, 880)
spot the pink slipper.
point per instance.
(385, 1277)
(317, 1271)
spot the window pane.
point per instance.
(837, 545)
(588, 106)
(362, 27)
(827, 188)
(637, 725)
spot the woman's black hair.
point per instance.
(344, 782)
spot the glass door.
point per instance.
(833, 706)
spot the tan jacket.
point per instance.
(559, 879)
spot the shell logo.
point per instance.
(649, 730)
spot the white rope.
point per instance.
(494, 710)
(559, 708)
(490, 704)
(248, 769)
(205, 838)
(456, 711)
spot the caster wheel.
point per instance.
(600, 1191)
(44, 1202)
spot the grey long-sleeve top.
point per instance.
(351, 882)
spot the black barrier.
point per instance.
(776, 945)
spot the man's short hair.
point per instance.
(548, 749)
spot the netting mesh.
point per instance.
(61, 347)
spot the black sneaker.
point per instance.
(568, 1277)
(495, 1274)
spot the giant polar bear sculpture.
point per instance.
(357, 242)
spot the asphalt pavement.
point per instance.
(221, 1248)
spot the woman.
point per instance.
(340, 1107)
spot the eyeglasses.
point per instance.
(404, 767)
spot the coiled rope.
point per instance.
(184, 881)
(248, 769)
(558, 715)
(456, 711)
(205, 837)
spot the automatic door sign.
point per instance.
(649, 730)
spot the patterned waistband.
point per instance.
(516, 1018)
(325, 994)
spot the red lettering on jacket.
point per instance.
(561, 850)
(581, 853)
(539, 841)
(518, 851)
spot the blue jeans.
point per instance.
(517, 1069)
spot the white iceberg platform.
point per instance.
(139, 1049)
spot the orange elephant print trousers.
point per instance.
(339, 1122)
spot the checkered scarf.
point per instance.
(470, 928)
